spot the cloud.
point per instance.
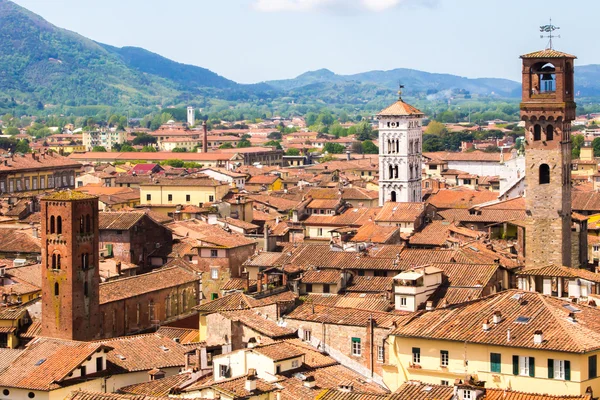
(335, 5)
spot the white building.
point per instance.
(400, 143)
(414, 287)
(191, 116)
(106, 139)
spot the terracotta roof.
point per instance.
(344, 316)
(198, 182)
(158, 279)
(484, 215)
(547, 53)
(400, 108)
(27, 273)
(585, 201)
(279, 203)
(121, 221)
(241, 301)
(400, 212)
(209, 235)
(157, 351)
(68, 195)
(279, 351)
(560, 271)
(460, 198)
(237, 284)
(156, 388)
(88, 395)
(328, 276)
(60, 358)
(350, 217)
(353, 300)
(434, 234)
(49, 161)
(235, 387)
(371, 284)
(323, 203)
(238, 223)
(262, 180)
(522, 312)
(373, 233)
(259, 323)
(356, 193)
(335, 394)
(182, 335)
(19, 241)
(264, 259)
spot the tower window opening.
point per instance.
(393, 196)
(88, 224)
(81, 225)
(85, 289)
(56, 289)
(59, 225)
(544, 174)
(52, 225)
(537, 132)
(549, 132)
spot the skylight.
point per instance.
(121, 357)
(40, 362)
(571, 308)
(523, 320)
(517, 296)
(164, 348)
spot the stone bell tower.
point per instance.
(70, 273)
(400, 151)
(548, 107)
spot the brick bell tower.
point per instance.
(70, 273)
(548, 107)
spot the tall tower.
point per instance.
(70, 273)
(548, 107)
(191, 116)
(400, 144)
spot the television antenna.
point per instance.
(548, 32)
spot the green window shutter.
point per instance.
(550, 368)
(567, 370)
(495, 362)
(592, 367)
(531, 366)
(515, 365)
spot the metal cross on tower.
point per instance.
(549, 29)
(400, 87)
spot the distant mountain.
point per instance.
(414, 81)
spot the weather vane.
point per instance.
(400, 87)
(549, 29)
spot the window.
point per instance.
(214, 273)
(466, 181)
(188, 198)
(214, 296)
(85, 289)
(214, 253)
(537, 132)
(56, 289)
(356, 347)
(170, 197)
(596, 247)
(42, 182)
(403, 301)
(148, 197)
(592, 367)
(325, 288)
(467, 394)
(309, 287)
(524, 366)
(59, 225)
(211, 198)
(50, 181)
(306, 336)
(444, 358)
(83, 370)
(278, 369)
(444, 382)
(295, 364)
(319, 231)
(223, 371)
(544, 174)
(380, 353)
(549, 132)
(52, 225)
(416, 355)
(559, 369)
(495, 362)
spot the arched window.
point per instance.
(59, 225)
(56, 289)
(84, 261)
(88, 224)
(58, 261)
(397, 146)
(53, 261)
(393, 196)
(52, 225)
(391, 172)
(85, 289)
(544, 174)
(549, 132)
(537, 132)
(81, 225)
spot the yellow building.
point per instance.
(520, 340)
(259, 183)
(586, 165)
(167, 194)
(36, 172)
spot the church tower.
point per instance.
(400, 144)
(70, 272)
(548, 107)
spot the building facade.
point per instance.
(400, 144)
(106, 139)
(548, 107)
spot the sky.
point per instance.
(252, 41)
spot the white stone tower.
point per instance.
(400, 144)
(191, 116)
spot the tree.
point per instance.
(369, 147)
(334, 148)
(22, 147)
(99, 149)
(274, 136)
(596, 146)
(292, 152)
(174, 163)
(364, 130)
(244, 143)
(226, 145)
(357, 147)
(311, 118)
(337, 130)
(273, 143)
(432, 143)
(125, 147)
(492, 149)
(179, 150)
(577, 142)
(436, 128)
(12, 131)
(148, 149)
(144, 139)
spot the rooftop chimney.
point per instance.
(508, 335)
(486, 325)
(538, 337)
(205, 139)
(310, 382)
(429, 305)
(497, 317)
(250, 384)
